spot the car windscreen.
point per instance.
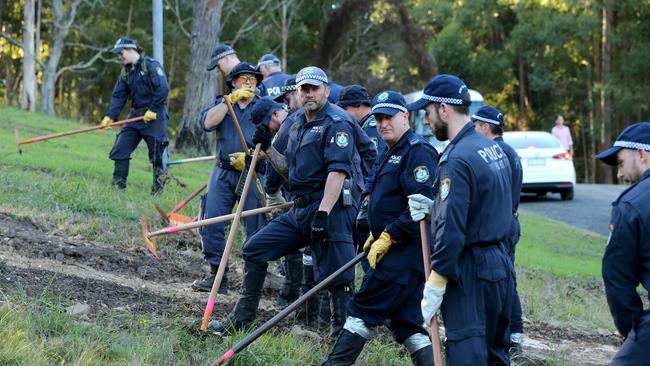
(538, 141)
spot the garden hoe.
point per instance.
(166, 217)
(288, 310)
(68, 133)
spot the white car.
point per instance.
(546, 165)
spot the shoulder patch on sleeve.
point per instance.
(421, 174)
(445, 188)
(342, 139)
(160, 71)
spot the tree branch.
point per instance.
(85, 65)
(11, 39)
(177, 14)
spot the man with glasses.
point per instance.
(221, 196)
(143, 81)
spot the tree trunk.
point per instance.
(412, 36)
(605, 139)
(284, 33)
(56, 50)
(201, 84)
(338, 25)
(29, 70)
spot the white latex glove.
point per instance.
(431, 300)
(420, 206)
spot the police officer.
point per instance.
(319, 157)
(223, 58)
(626, 262)
(471, 274)
(488, 121)
(392, 289)
(227, 172)
(274, 78)
(143, 81)
(356, 101)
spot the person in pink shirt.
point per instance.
(563, 133)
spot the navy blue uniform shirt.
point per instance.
(227, 137)
(406, 168)
(316, 148)
(626, 262)
(369, 126)
(272, 86)
(473, 201)
(515, 168)
(147, 89)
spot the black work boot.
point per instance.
(120, 172)
(292, 280)
(246, 308)
(423, 357)
(205, 284)
(159, 179)
(345, 351)
(339, 298)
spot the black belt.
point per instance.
(483, 244)
(307, 199)
(225, 165)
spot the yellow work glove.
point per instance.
(106, 121)
(239, 94)
(237, 160)
(149, 116)
(378, 249)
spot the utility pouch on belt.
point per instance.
(346, 193)
(242, 177)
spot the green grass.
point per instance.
(64, 184)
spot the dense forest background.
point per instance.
(588, 60)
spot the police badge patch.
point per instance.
(342, 139)
(421, 174)
(383, 96)
(445, 187)
(374, 141)
(160, 72)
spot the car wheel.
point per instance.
(567, 195)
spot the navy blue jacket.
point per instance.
(473, 202)
(272, 86)
(316, 148)
(517, 177)
(147, 89)
(626, 262)
(227, 137)
(406, 168)
(335, 90)
(369, 125)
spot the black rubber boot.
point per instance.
(292, 280)
(120, 173)
(345, 351)
(246, 308)
(423, 357)
(339, 299)
(205, 284)
(159, 179)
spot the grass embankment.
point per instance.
(64, 184)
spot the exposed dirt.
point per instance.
(114, 281)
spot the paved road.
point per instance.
(589, 209)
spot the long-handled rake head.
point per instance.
(147, 240)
